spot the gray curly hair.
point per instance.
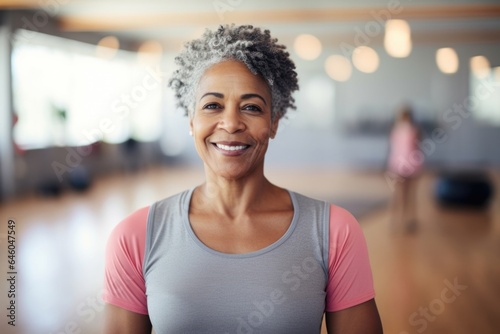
(247, 44)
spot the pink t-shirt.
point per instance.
(350, 279)
(405, 158)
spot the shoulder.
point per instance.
(133, 223)
(305, 200)
(342, 220)
(173, 202)
(338, 216)
(344, 228)
(350, 279)
(131, 231)
(124, 282)
(133, 228)
(346, 237)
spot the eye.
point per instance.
(252, 107)
(211, 106)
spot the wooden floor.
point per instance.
(444, 278)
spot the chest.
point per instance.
(202, 293)
(240, 235)
(192, 287)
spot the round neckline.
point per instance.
(274, 245)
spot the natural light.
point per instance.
(65, 95)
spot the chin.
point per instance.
(232, 175)
(233, 170)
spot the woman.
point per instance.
(404, 164)
(237, 254)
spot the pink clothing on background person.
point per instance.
(405, 157)
(350, 280)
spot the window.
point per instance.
(65, 95)
(484, 96)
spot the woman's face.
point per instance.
(231, 123)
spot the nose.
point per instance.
(231, 119)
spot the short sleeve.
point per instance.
(124, 284)
(350, 280)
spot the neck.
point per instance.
(234, 197)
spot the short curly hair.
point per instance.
(250, 45)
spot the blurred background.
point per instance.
(90, 132)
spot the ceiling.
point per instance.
(172, 22)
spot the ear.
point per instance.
(190, 124)
(274, 128)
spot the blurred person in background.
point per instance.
(237, 254)
(404, 164)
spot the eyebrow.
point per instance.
(252, 95)
(243, 97)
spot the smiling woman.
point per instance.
(238, 254)
(232, 121)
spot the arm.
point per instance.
(350, 303)
(359, 319)
(124, 290)
(120, 321)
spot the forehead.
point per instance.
(231, 75)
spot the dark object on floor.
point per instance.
(50, 189)
(79, 178)
(464, 189)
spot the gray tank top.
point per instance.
(192, 288)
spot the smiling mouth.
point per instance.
(232, 147)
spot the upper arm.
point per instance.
(350, 279)
(351, 307)
(360, 319)
(124, 284)
(121, 321)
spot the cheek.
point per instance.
(264, 133)
(265, 130)
(199, 127)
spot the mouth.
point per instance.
(231, 148)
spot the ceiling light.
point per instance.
(447, 60)
(338, 68)
(480, 66)
(365, 59)
(397, 38)
(307, 46)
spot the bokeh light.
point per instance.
(397, 39)
(338, 67)
(307, 46)
(107, 47)
(447, 60)
(480, 66)
(365, 59)
(150, 52)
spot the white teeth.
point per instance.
(231, 148)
